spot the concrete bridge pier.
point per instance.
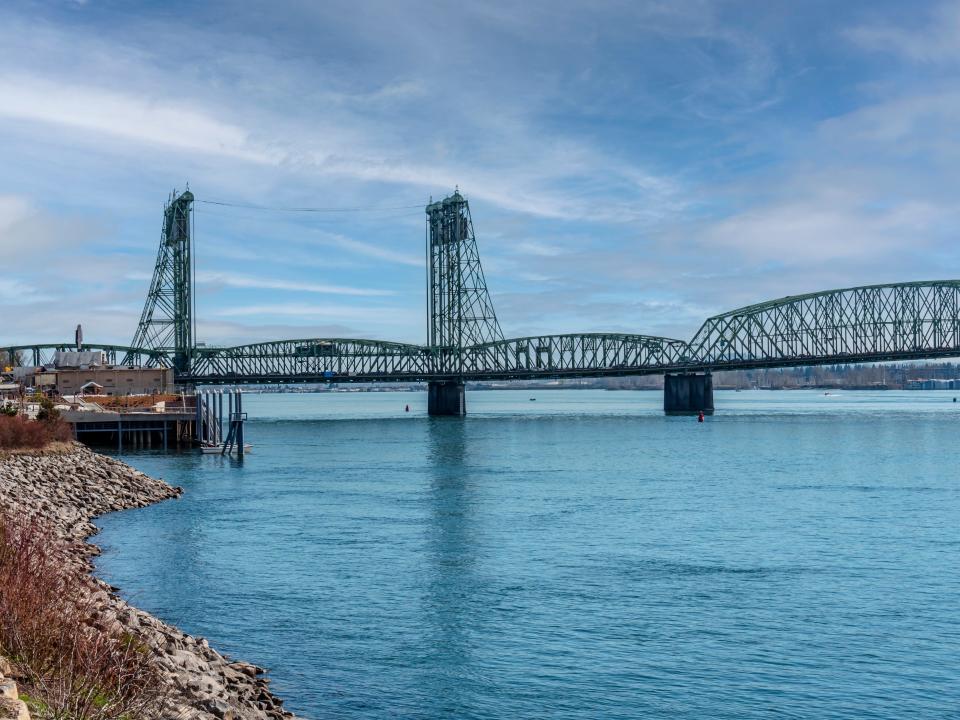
(446, 398)
(688, 394)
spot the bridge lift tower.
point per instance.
(459, 310)
(167, 321)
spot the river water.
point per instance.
(576, 556)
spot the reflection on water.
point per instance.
(578, 557)
(452, 587)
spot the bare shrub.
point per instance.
(76, 664)
(19, 432)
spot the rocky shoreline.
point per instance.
(67, 489)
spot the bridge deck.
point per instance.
(908, 321)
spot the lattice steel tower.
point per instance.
(459, 311)
(167, 322)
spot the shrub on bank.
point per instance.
(19, 432)
(48, 411)
(74, 665)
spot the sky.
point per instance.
(631, 166)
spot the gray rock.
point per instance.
(67, 491)
(13, 710)
(219, 708)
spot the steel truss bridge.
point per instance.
(875, 323)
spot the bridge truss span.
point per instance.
(311, 360)
(42, 355)
(871, 323)
(571, 355)
(353, 360)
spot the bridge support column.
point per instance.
(688, 394)
(446, 398)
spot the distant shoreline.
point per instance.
(301, 390)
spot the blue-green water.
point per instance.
(580, 556)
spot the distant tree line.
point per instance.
(894, 376)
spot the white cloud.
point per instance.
(895, 127)
(130, 116)
(27, 230)
(226, 332)
(13, 209)
(324, 128)
(302, 309)
(15, 292)
(246, 281)
(375, 251)
(533, 247)
(935, 39)
(372, 322)
(819, 229)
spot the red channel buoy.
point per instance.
(700, 416)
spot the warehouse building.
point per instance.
(114, 380)
(74, 373)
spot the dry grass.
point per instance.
(19, 432)
(110, 402)
(57, 447)
(73, 664)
